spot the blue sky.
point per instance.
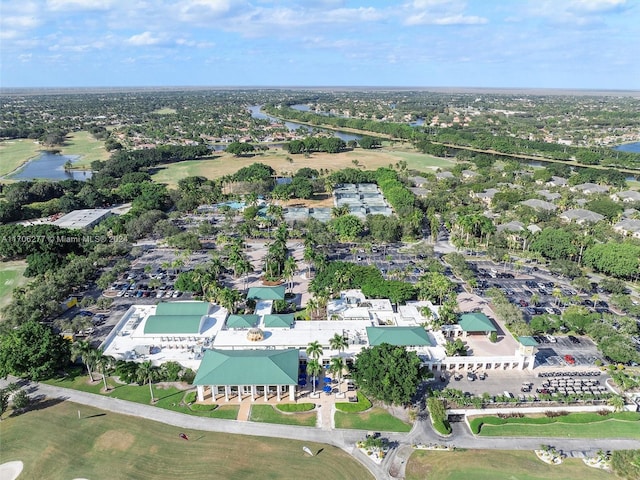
(590, 44)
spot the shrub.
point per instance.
(438, 415)
(188, 376)
(296, 407)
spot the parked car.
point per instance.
(569, 359)
(573, 339)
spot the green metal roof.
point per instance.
(242, 321)
(528, 341)
(182, 308)
(173, 324)
(399, 336)
(476, 322)
(278, 321)
(248, 367)
(266, 293)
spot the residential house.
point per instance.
(580, 216)
(557, 182)
(626, 196)
(590, 188)
(628, 226)
(540, 205)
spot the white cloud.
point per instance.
(439, 12)
(143, 39)
(65, 5)
(578, 12)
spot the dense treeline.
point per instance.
(126, 161)
(18, 241)
(337, 276)
(315, 144)
(470, 137)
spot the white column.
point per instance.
(266, 393)
(239, 393)
(292, 393)
(200, 389)
(226, 393)
(253, 393)
(278, 388)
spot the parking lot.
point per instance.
(520, 382)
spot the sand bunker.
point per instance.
(11, 470)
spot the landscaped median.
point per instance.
(361, 415)
(301, 414)
(574, 425)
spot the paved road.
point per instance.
(344, 439)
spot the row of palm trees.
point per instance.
(314, 352)
(94, 358)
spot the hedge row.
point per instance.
(574, 418)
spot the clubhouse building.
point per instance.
(262, 355)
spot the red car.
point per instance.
(569, 359)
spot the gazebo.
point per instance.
(476, 322)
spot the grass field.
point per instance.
(225, 164)
(10, 278)
(84, 144)
(16, 152)
(103, 445)
(575, 425)
(374, 419)
(165, 111)
(495, 465)
(171, 398)
(268, 414)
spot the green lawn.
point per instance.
(575, 425)
(16, 152)
(54, 444)
(171, 398)
(361, 405)
(495, 465)
(268, 414)
(11, 276)
(374, 419)
(165, 111)
(84, 144)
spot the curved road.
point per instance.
(341, 438)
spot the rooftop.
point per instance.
(267, 293)
(476, 322)
(400, 336)
(248, 367)
(78, 219)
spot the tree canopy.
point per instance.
(390, 374)
(32, 351)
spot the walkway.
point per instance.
(344, 439)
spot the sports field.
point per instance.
(284, 164)
(10, 277)
(103, 445)
(495, 465)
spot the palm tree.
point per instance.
(105, 362)
(314, 369)
(290, 267)
(617, 402)
(311, 306)
(314, 350)
(336, 366)
(84, 350)
(147, 373)
(337, 342)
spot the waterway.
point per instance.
(629, 147)
(259, 114)
(50, 166)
